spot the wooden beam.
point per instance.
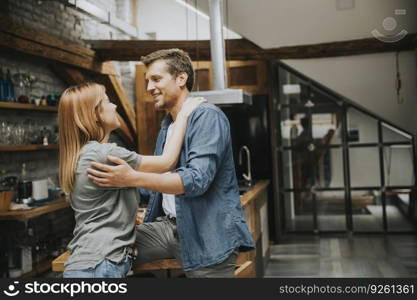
(132, 50)
(69, 75)
(73, 76)
(242, 49)
(342, 48)
(26, 40)
(126, 135)
(117, 94)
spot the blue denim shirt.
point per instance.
(210, 219)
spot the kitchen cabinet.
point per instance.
(255, 206)
(250, 76)
(262, 207)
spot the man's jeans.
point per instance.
(105, 269)
(159, 240)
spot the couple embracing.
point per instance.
(194, 212)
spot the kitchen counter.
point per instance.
(254, 192)
(255, 207)
(34, 212)
(8, 219)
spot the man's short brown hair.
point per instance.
(177, 60)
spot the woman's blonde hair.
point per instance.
(79, 122)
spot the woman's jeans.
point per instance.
(105, 269)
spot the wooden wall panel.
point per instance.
(251, 76)
(148, 119)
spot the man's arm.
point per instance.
(207, 140)
(122, 175)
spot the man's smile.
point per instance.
(156, 95)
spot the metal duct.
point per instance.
(217, 46)
(220, 94)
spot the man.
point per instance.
(194, 213)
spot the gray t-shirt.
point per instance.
(105, 217)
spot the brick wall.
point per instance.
(67, 24)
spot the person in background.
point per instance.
(105, 217)
(194, 212)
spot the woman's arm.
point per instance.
(169, 158)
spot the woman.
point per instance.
(105, 218)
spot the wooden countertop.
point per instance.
(245, 199)
(34, 212)
(253, 192)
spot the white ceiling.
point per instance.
(277, 23)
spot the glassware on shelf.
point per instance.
(19, 134)
(27, 132)
(3, 95)
(3, 133)
(10, 87)
(9, 133)
(25, 83)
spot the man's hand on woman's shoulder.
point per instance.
(111, 176)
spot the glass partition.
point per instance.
(343, 167)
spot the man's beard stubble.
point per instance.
(163, 105)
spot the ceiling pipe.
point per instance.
(220, 94)
(217, 46)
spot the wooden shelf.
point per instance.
(28, 148)
(22, 106)
(34, 212)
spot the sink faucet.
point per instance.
(248, 176)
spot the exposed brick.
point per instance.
(69, 25)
